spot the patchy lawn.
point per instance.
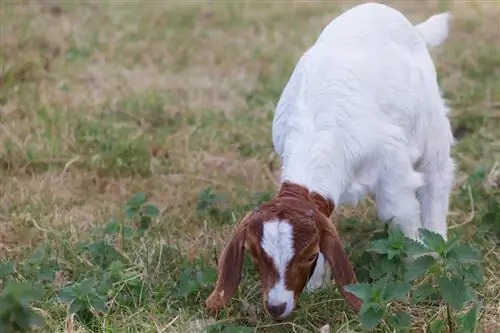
(102, 101)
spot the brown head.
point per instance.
(284, 237)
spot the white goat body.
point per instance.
(362, 114)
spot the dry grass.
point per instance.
(100, 100)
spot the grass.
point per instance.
(100, 101)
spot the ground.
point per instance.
(100, 101)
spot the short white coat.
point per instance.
(362, 113)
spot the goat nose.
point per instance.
(276, 310)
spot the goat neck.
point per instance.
(291, 190)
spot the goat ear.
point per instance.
(229, 270)
(333, 249)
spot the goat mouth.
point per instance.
(281, 316)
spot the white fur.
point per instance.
(277, 242)
(362, 114)
(434, 31)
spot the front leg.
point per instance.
(434, 195)
(395, 194)
(403, 210)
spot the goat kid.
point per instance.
(361, 114)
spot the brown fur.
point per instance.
(308, 213)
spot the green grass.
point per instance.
(100, 101)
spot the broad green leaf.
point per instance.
(99, 304)
(112, 227)
(137, 200)
(35, 292)
(24, 301)
(474, 274)
(66, 294)
(453, 291)
(385, 267)
(396, 238)
(455, 267)
(414, 248)
(88, 285)
(423, 292)
(465, 254)
(378, 289)
(366, 306)
(397, 291)
(451, 243)
(35, 320)
(469, 292)
(371, 317)
(401, 320)
(150, 210)
(360, 290)
(394, 253)
(21, 318)
(381, 284)
(378, 246)
(46, 274)
(6, 306)
(75, 306)
(25, 319)
(432, 240)
(417, 268)
(22, 293)
(468, 322)
(116, 267)
(437, 326)
(106, 282)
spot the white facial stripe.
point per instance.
(277, 242)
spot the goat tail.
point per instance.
(434, 30)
